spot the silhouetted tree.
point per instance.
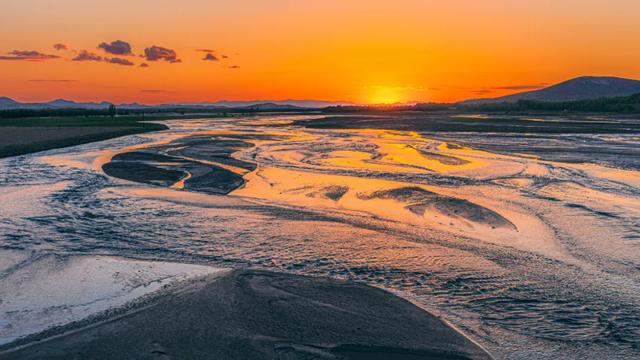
(112, 110)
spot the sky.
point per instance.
(359, 51)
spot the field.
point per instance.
(23, 136)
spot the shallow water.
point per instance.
(532, 256)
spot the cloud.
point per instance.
(60, 47)
(156, 53)
(397, 88)
(144, 65)
(31, 55)
(85, 55)
(519, 87)
(492, 89)
(119, 61)
(51, 80)
(154, 91)
(233, 67)
(117, 47)
(482, 91)
(210, 57)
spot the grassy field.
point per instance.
(27, 135)
(88, 121)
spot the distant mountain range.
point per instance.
(9, 104)
(294, 103)
(581, 88)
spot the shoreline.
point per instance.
(127, 124)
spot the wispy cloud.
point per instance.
(144, 65)
(154, 91)
(158, 53)
(486, 90)
(482, 91)
(397, 88)
(51, 80)
(233, 67)
(117, 47)
(29, 55)
(60, 46)
(519, 87)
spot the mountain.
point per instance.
(581, 88)
(7, 103)
(270, 106)
(10, 104)
(62, 103)
(241, 104)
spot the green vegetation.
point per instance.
(27, 113)
(623, 104)
(83, 121)
(155, 112)
(13, 150)
(70, 131)
(112, 110)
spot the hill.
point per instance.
(581, 88)
(10, 104)
(6, 102)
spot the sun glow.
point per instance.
(385, 95)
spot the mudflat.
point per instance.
(201, 163)
(254, 314)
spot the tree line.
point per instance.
(621, 104)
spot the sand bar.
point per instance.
(254, 314)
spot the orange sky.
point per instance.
(349, 50)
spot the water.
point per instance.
(533, 257)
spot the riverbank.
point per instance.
(348, 204)
(260, 315)
(29, 135)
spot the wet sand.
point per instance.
(76, 287)
(254, 314)
(200, 163)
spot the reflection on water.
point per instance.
(533, 258)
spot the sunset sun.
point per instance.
(385, 95)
